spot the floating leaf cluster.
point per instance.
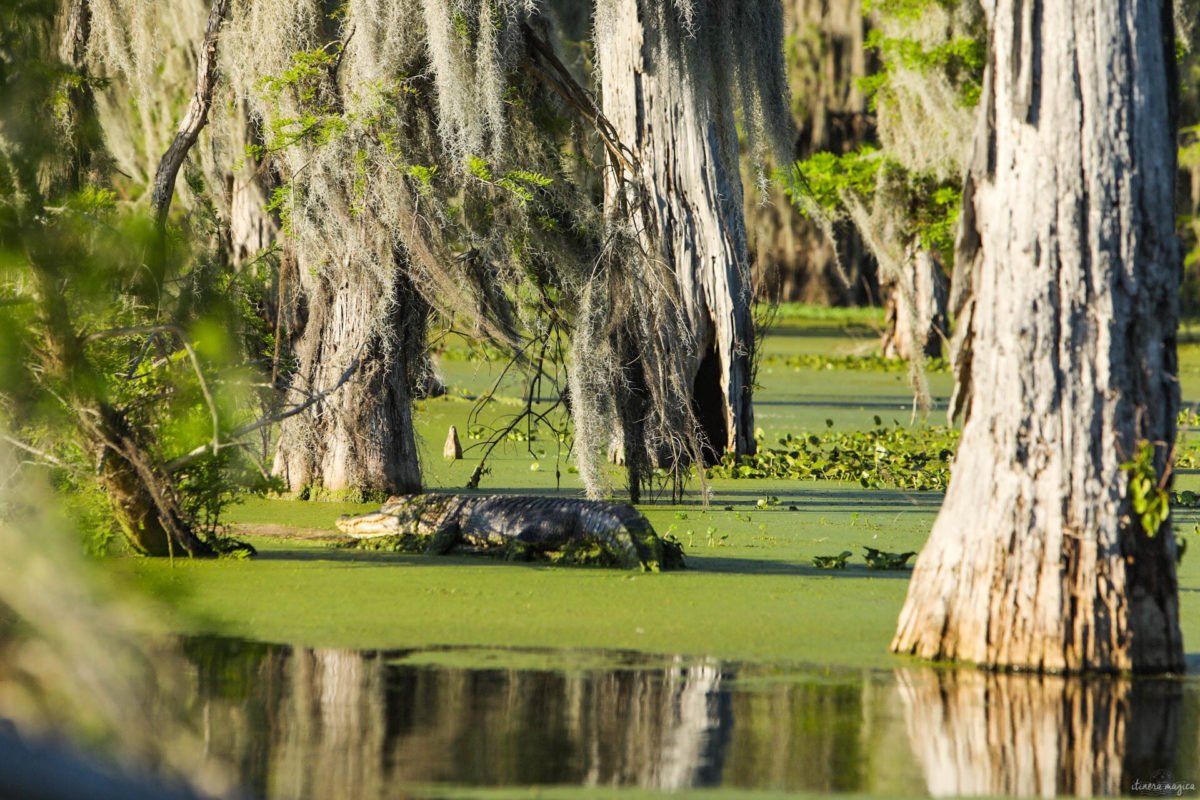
(883, 457)
(872, 362)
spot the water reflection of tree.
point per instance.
(327, 723)
(977, 732)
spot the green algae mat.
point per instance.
(751, 593)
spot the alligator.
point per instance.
(518, 527)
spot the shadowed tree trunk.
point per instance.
(657, 97)
(1038, 558)
(141, 493)
(360, 437)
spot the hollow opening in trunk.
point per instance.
(708, 404)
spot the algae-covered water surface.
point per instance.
(754, 669)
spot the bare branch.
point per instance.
(578, 98)
(196, 117)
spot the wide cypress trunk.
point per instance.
(1038, 558)
(686, 143)
(359, 437)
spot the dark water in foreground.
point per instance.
(298, 723)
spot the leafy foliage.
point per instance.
(904, 192)
(882, 457)
(1147, 494)
(960, 59)
(123, 343)
(833, 185)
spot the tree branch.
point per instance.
(578, 98)
(146, 330)
(215, 447)
(44, 456)
(195, 118)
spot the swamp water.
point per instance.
(301, 723)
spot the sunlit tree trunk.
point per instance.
(1038, 559)
(686, 143)
(359, 437)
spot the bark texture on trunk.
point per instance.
(1037, 559)
(686, 142)
(360, 438)
(252, 228)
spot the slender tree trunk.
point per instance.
(143, 496)
(916, 314)
(194, 119)
(1038, 559)
(359, 439)
(141, 492)
(687, 147)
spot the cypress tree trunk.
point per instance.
(1038, 559)
(359, 437)
(686, 143)
(916, 314)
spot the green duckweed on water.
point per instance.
(751, 592)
